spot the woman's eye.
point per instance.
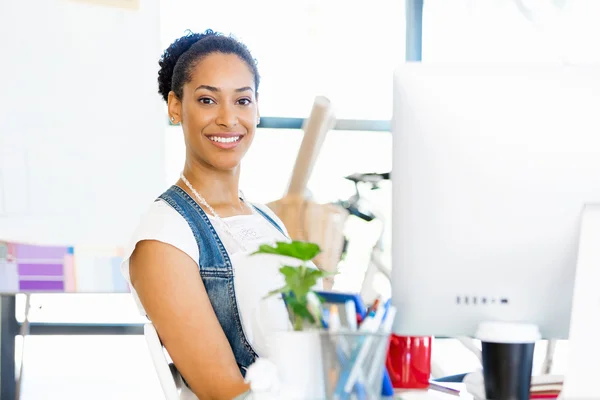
(205, 100)
(244, 102)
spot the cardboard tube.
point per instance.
(320, 121)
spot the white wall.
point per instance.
(499, 31)
(81, 124)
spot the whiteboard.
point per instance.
(81, 124)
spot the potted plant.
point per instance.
(297, 353)
(301, 301)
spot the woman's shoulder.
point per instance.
(161, 216)
(163, 223)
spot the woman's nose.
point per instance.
(227, 117)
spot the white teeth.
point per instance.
(224, 140)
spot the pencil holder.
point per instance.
(353, 364)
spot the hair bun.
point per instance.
(178, 61)
(169, 59)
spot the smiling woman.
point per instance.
(213, 93)
(189, 261)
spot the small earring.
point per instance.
(172, 119)
(258, 121)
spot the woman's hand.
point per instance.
(171, 290)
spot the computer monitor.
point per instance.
(491, 169)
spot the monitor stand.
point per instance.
(582, 374)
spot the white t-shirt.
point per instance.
(254, 276)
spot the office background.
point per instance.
(90, 344)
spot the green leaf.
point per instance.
(316, 274)
(301, 311)
(300, 286)
(293, 278)
(304, 251)
(300, 280)
(284, 289)
(309, 281)
(313, 275)
(325, 274)
(289, 271)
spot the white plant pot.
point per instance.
(297, 356)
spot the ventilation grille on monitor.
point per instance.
(481, 300)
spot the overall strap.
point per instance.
(213, 256)
(270, 219)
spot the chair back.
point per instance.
(170, 380)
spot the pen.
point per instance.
(351, 315)
(333, 328)
(443, 389)
(334, 319)
(386, 306)
(386, 328)
(387, 388)
(373, 306)
(340, 393)
(370, 325)
(342, 349)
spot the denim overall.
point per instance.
(216, 271)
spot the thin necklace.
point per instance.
(212, 210)
(199, 198)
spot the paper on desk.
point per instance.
(474, 385)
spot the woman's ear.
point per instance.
(257, 111)
(174, 108)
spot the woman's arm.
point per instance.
(173, 294)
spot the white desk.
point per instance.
(434, 394)
(400, 394)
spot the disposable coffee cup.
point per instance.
(507, 356)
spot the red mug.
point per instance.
(409, 361)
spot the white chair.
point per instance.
(170, 380)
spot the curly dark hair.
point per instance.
(180, 58)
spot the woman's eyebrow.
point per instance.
(216, 89)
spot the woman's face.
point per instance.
(219, 111)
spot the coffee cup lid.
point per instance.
(507, 332)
